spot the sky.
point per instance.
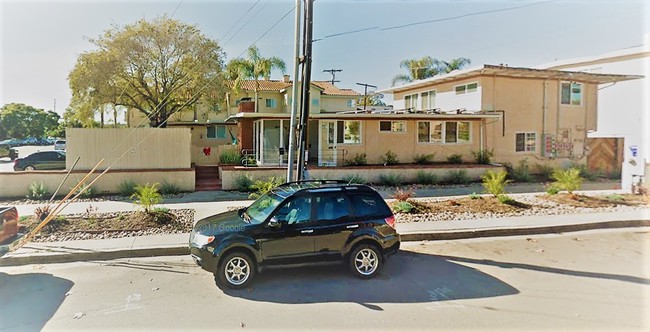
(41, 40)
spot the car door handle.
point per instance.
(307, 231)
(353, 226)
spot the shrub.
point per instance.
(243, 182)
(146, 196)
(84, 192)
(614, 197)
(483, 157)
(521, 172)
(42, 212)
(249, 161)
(161, 210)
(403, 207)
(586, 173)
(552, 189)
(569, 180)
(422, 177)
(261, 187)
(390, 179)
(505, 199)
(127, 188)
(37, 190)
(354, 178)
(495, 183)
(544, 170)
(457, 177)
(168, 188)
(402, 195)
(229, 157)
(390, 158)
(455, 159)
(357, 160)
(474, 196)
(424, 158)
(615, 174)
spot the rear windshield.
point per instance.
(60, 142)
(369, 206)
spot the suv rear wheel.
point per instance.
(235, 271)
(365, 261)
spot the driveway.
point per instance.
(6, 165)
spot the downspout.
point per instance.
(559, 104)
(544, 109)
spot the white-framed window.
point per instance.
(271, 103)
(466, 88)
(571, 93)
(525, 142)
(351, 103)
(348, 132)
(444, 132)
(411, 101)
(216, 132)
(428, 99)
(392, 126)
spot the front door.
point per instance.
(327, 143)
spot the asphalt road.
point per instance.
(589, 280)
(6, 165)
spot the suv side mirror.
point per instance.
(274, 223)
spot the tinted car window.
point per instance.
(369, 206)
(332, 207)
(50, 156)
(295, 211)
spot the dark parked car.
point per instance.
(44, 160)
(301, 222)
(7, 151)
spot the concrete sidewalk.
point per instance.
(177, 244)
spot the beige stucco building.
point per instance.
(538, 114)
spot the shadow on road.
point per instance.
(406, 278)
(507, 265)
(28, 301)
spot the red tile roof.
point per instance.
(328, 88)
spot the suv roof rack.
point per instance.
(313, 181)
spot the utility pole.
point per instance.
(333, 73)
(295, 96)
(365, 93)
(306, 84)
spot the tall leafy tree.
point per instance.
(20, 121)
(373, 99)
(426, 67)
(157, 67)
(254, 66)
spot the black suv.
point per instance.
(297, 223)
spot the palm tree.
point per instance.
(253, 67)
(454, 64)
(426, 67)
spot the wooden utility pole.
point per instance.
(306, 84)
(365, 93)
(333, 73)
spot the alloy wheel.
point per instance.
(366, 261)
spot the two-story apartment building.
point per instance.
(540, 114)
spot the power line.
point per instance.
(333, 73)
(246, 23)
(450, 18)
(241, 18)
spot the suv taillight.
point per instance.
(390, 221)
(16, 162)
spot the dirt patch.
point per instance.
(595, 201)
(111, 225)
(469, 205)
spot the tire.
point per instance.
(235, 271)
(29, 168)
(365, 261)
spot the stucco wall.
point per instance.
(15, 184)
(129, 148)
(371, 174)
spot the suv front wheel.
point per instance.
(365, 261)
(235, 271)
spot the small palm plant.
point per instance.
(146, 196)
(569, 180)
(495, 182)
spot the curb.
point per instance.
(408, 237)
(498, 232)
